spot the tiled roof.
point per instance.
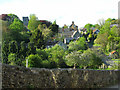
(113, 52)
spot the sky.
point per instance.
(63, 11)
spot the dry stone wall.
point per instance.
(21, 77)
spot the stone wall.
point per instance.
(21, 77)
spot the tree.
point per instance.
(12, 17)
(46, 32)
(34, 61)
(54, 27)
(33, 23)
(108, 20)
(46, 64)
(88, 26)
(37, 38)
(56, 56)
(12, 59)
(31, 48)
(73, 59)
(97, 26)
(105, 27)
(42, 53)
(17, 25)
(15, 28)
(102, 39)
(13, 47)
(80, 44)
(5, 52)
(87, 59)
(91, 59)
(23, 50)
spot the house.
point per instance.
(50, 43)
(76, 35)
(67, 40)
(45, 22)
(4, 17)
(66, 33)
(73, 27)
(96, 31)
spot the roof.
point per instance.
(113, 52)
(94, 30)
(2, 16)
(43, 21)
(113, 25)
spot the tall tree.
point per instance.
(33, 23)
(54, 27)
(15, 28)
(37, 38)
(5, 51)
(88, 26)
(13, 47)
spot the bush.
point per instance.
(92, 59)
(12, 59)
(45, 64)
(34, 61)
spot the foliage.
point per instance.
(46, 32)
(13, 59)
(80, 44)
(92, 59)
(34, 61)
(33, 23)
(16, 25)
(5, 52)
(15, 28)
(105, 28)
(54, 27)
(12, 17)
(56, 56)
(46, 64)
(97, 26)
(73, 59)
(87, 59)
(110, 37)
(116, 66)
(88, 26)
(37, 38)
(42, 53)
(23, 49)
(13, 47)
(31, 48)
